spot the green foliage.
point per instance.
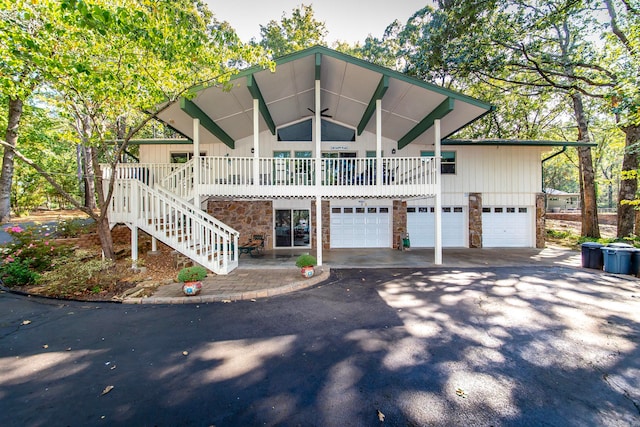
(298, 32)
(306, 260)
(33, 246)
(73, 277)
(18, 273)
(192, 274)
(73, 227)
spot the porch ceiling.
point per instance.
(347, 86)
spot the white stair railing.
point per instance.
(190, 231)
(180, 181)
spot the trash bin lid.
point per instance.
(592, 245)
(614, 249)
(620, 245)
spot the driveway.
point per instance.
(541, 345)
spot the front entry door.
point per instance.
(292, 228)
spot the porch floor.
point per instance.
(275, 273)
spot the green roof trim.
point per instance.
(371, 108)
(153, 141)
(194, 111)
(318, 67)
(517, 142)
(439, 112)
(252, 85)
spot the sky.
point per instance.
(346, 20)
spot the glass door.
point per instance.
(301, 235)
(292, 228)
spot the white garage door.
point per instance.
(506, 227)
(421, 223)
(361, 227)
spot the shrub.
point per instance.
(74, 227)
(192, 274)
(74, 277)
(306, 260)
(17, 273)
(30, 246)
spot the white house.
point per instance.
(332, 149)
(561, 201)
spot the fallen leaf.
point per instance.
(26, 322)
(45, 346)
(380, 415)
(106, 390)
(113, 367)
(253, 300)
(68, 348)
(460, 392)
(185, 353)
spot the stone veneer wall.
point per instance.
(326, 224)
(399, 221)
(248, 217)
(475, 220)
(540, 221)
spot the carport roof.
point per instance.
(349, 88)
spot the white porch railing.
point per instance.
(148, 173)
(294, 177)
(190, 231)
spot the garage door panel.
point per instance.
(360, 227)
(506, 227)
(421, 226)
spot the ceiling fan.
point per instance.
(322, 113)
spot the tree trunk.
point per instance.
(6, 176)
(628, 187)
(102, 225)
(589, 206)
(89, 179)
(80, 169)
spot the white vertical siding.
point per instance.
(507, 175)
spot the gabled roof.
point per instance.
(349, 88)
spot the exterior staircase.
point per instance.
(172, 220)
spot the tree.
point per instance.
(29, 42)
(129, 60)
(298, 32)
(537, 45)
(623, 44)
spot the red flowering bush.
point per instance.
(28, 249)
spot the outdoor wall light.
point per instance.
(393, 151)
(253, 150)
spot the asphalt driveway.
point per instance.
(548, 346)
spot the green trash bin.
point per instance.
(617, 258)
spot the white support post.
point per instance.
(196, 163)
(318, 135)
(318, 138)
(438, 217)
(154, 245)
(319, 229)
(134, 247)
(379, 142)
(256, 142)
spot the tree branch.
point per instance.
(615, 29)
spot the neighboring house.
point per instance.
(330, 148)
(560, 201)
